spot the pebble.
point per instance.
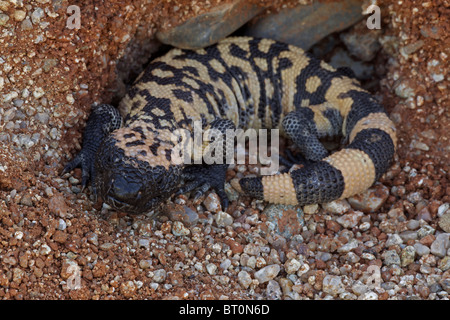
(183, 214)
(159, 275)
(292, 266)
(411, 48)
(19, 15)
(359, 288)
(285, 220)
(252, 249)
(421, 249)
(407, 255)
(444, 222)
(391, 257)
(337, 206)
(413, 224)
(244, 278)
(212, 202)
(333, 285)
(350, 220)
(443, 209)
(424, 231)
(223, 219)
(3, 19)
(440, 245)
(341, 58)
(178, 229)
(403, 90)
(26, 24)
(369, 296)
(267, 273)
(26, 200)
(37, 15)
(211, 268)
(444, 264)
(408, 235)
(393, 239)
(371, 200)
(349, 246)
(145, 264)
(364, 46)
(273, 290)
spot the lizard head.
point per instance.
(133, 170)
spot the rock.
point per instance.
(350, 220)
(361, 70)
(212, 202)
(286, 220)
(223, 219)
(369, 296)
(404, 90)
(424, 231)
(231, 192)
(359, 288)
(306, 25)
(244, 279)
(159, 275)
(178, 229)
(371, 200)
(337, 206)
(444, 264)
(211, 268)
(408, 235)
(292, 266)
(362, 45)
(407, 255)
(391, 257)
(349, 246)
(3, 19)
(444, 222)
(445, 284)
(145, 264)
(421, 249)
(443, 209)
(273, 290)
(440, 245)
(393, 240)
(37, 15)
(411, 48)
(333, 285)
(311, 209)
(181, 213)
(252, 249)
(57, 205)
(27, 200)
(60, 236)
(267, 273)
(19, 15)
(210, 27)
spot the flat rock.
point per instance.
(208, 28)
(305, 25)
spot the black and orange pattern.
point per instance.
(243, 83)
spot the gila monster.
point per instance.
(240, 82)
